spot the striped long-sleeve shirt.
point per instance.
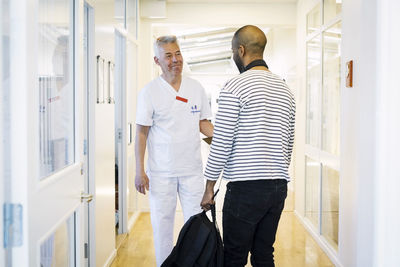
(254, 129)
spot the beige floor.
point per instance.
(294, 246)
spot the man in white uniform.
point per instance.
(171, 110)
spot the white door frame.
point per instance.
(19, 55)
(89, 136)
(2, 174)
(5, 150)
(121, 143)
(2, 180)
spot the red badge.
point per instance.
(181, 99)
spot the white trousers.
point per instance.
(163, 197)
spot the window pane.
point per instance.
(59, 248)
(312, 190)
(331, 91)
(330, 205)
(314, 19)
(131, 17)
(313, 91)
(332, 8)
(56, 91)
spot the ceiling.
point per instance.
(210, 45)
(206, 45)
(233, 1)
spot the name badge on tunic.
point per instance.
(181, 99)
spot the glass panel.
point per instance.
(312, 190)
(330, 205)
(59, 248)
(131, 17)
(313, 91)
(314, 19)
(331, 91)
(56, 90)
(332, 8)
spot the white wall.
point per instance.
(370, 129)
(132, 76)
(356, 227)
(105, 184)
(104, 143)
(281, 50)
(387, 219)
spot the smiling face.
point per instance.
(169, 58)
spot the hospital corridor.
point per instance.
(72, 81)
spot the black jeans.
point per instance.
(251, 214)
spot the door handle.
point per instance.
(86, 197)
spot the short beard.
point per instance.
(239, 63)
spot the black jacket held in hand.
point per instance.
(199, 244)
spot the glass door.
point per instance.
(322, 155)
(46, 144)
(60, 137)
(58, 246)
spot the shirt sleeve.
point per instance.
(291, 137)
(144, 108)
(224, 130)
(205, 112)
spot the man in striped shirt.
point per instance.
(252, 145)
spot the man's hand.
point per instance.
(208, 197)
(142, 183)
(141, 179)
(206, 128)
(207, 200)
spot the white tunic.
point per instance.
(173, 142)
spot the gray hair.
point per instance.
(162, 40)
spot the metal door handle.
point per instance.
(86, 197)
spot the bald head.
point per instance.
(251, 38)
